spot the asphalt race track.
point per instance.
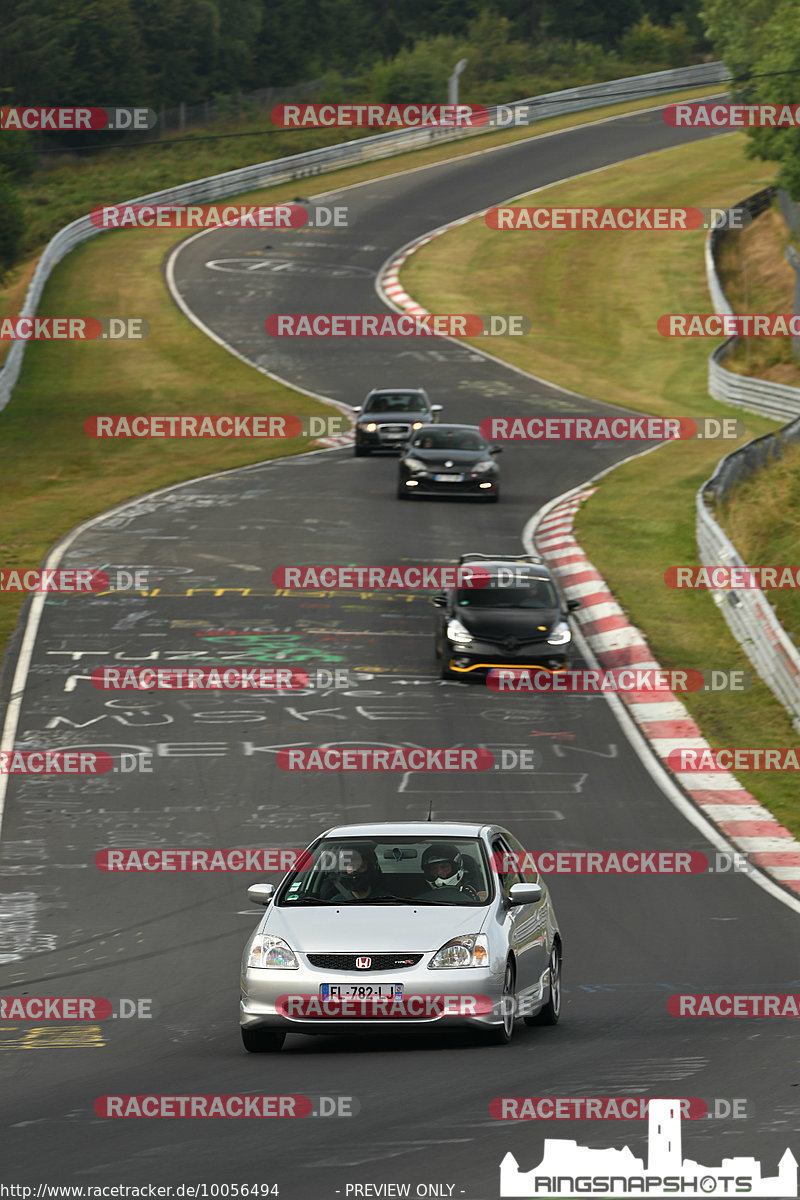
(210, 548)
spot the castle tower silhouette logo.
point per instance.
(570, 1170)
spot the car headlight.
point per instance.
(415, 465)
(272, 952)
(471, 950)
(457, 633)
(417, 424)
(482, 467)
(370, 427)
(560, 635)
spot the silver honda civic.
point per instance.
(399, 925)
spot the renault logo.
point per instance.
(363, 963)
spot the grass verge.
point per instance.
(54, 476)
(594, 309)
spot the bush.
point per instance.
(12, 225)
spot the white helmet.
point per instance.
(439, 854)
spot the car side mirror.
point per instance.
(525, 893)
(496, 450)
(572, 605)
(356, 408)
(436, 407)
(261, 893)
(439, 601)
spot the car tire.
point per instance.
(402, 494)
(262, 1041)
(493, 499)
(445, 671)
(360, 451)
(502, 1034)
(549, 1015)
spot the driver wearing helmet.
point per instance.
(357, 875)
(444, 866)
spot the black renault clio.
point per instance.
(520, 618)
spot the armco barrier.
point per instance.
(750, 617)
(775, 400)
(330, 158)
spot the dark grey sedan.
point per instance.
(449, 460)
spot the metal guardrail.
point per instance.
(776, 400)
(330, 158)
(750, 617)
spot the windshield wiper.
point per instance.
(306, 900)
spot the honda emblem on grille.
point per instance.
(363, 963)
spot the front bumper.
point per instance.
(383, 438)
(481, 657)
(264, 1005)
(426, 485)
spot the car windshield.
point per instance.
(535, 593)
(448, 439)
(368, 870)
(396, 402)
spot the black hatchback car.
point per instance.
(388, 417)
(519, 619)
(449, 460)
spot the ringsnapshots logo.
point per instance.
(572, 1171)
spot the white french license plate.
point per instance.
(449, 478)
(395, 436)
(359, 991)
